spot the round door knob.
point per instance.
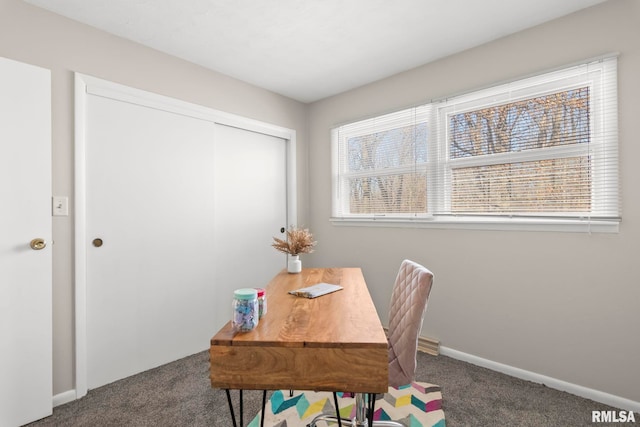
(97, 242)
(37, 244)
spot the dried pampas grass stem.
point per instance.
(299, 241)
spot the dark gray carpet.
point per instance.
(179, 394)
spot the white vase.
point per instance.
(295, 265)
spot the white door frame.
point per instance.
(86, 85)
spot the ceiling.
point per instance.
(311, 49)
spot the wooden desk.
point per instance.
(331, 343)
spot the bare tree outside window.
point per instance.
(557, 184)
(385, 165)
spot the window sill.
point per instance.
(488, 223)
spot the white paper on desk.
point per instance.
(316, 290)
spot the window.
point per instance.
(541, 150)
(383, 165)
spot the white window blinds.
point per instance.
(382, 166)
(541, 147)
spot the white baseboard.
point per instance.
(578, 390)
(64, 397)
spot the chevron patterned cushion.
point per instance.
(414, 405)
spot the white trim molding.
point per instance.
(578, 390)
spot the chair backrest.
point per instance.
(408, 304)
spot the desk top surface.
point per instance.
(342, 319)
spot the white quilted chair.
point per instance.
(406, 312)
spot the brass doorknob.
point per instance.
(37, 244)
(97, 242)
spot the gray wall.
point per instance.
(38, 37)
(563, 305)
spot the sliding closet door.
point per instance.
(151, 294)
(251, 208)
(178, 210)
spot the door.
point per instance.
(150, 257)
(26, 271)
(250, 208)
(165, 236)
